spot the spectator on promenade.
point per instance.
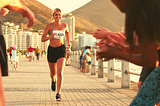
(144, 74)
(88, 59)
(14, 6)
(45, 53)
(42, 53)
(38, 51)
(81, 59)
(30, 49)
(56, 54)
(10, 52)
(85, 57)
(14, 57)
(143, 25)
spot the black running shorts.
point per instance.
(54, 53)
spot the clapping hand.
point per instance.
(29, 14)
(101, 33)
(111, 46)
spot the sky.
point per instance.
(65, 5)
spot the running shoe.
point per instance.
(58, 97)
(53, 86)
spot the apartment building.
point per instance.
(69, 19)
(86, 40)
(23, 39)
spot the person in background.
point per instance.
(18, 55)
(37, 52)
(56, 54)
(42, 53)
(30, 49)
(10, 52)
(88, 58)
(85, 57)
(25, 53)
(45, 53)
(143, 27)
(34, 54)
(81, 59)
(14, 57)
(15, 6)
(144, 74)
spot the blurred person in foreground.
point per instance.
(16, 6)
(139, 44)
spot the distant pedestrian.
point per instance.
(25, 53)
(45, 53)
(37, 52)
(34, 54)
(56, 54)
(14, 57)
(30, 49)
(81, 59)
(10, 52)
(86, 58)
(42, 53)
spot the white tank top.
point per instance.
(59, 33)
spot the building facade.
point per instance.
(69, 19)
(86, 40)
(23, 39)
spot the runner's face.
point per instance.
(121, 4)
(57, 16)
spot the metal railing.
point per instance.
(125, 73)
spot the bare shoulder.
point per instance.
(49, 25)
(65, 25)
(48, 28)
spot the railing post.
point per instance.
(100, 68)
(93, 62)
(125, 79)
(111, 72)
